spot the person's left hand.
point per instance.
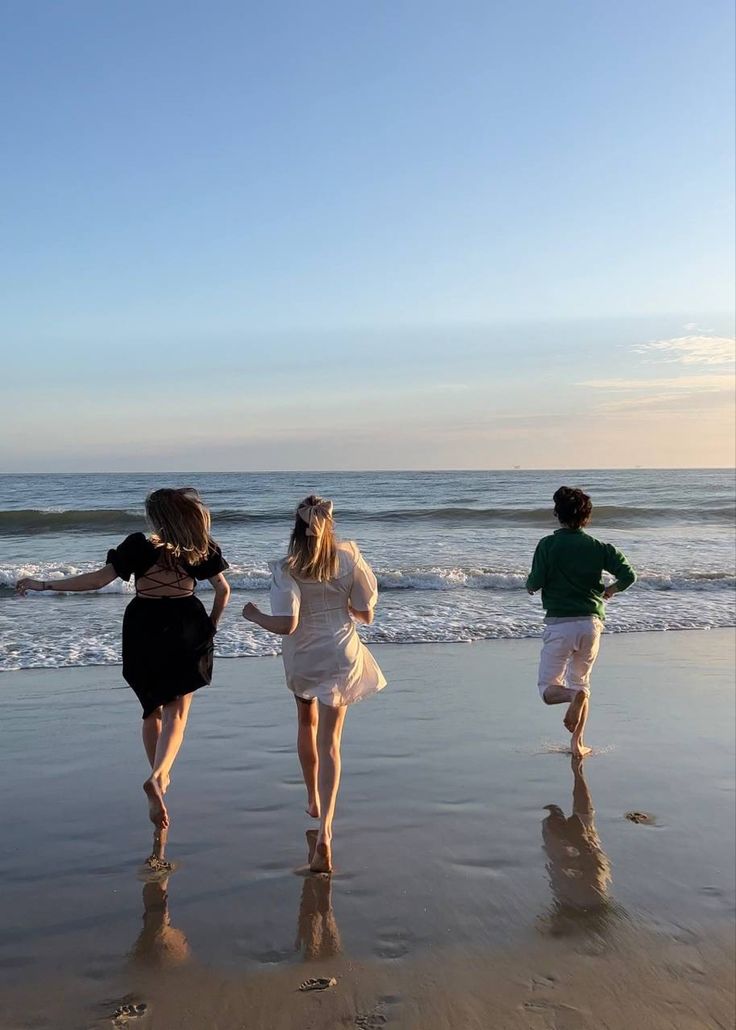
(24, 585)
(610, 592)
(250, 612)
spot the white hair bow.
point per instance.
(315, 515)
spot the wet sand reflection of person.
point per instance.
(159, 945)
(317, 935)
(578, 868)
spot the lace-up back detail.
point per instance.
(164, 581)
(168, 647)
(137, 556)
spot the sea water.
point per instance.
(451, 550)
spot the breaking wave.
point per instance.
(123, 520)
(257, 578)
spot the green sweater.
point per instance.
(568, 567)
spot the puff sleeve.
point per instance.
(211, 565)
(126, 557)
(285, 593)
(364, 589)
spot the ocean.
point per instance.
(451, 551)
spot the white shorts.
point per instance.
(569, 651)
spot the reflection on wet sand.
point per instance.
(317, 935)
(578, 868)
(159, 945)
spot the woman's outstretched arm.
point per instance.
(87, 581)
(282, 625)
(222, 595)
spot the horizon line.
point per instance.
(368, 471)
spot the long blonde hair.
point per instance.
(181, 524)
(312, 546)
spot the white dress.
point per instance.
(324, 658)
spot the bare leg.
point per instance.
(574, 713)
(329, 735)
(572, 698)
(306, 746)
(173, 725)
(558, 695)
(151, 734)
(577, 746)
(581, 666)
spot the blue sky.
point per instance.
(348, 235)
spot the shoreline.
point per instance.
(380, 644)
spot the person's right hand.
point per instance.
(24, 585)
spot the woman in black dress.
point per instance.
(167, 634)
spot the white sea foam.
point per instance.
(451, 552)
(257, 577)
(85, 630)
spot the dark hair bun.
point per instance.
(572, 507)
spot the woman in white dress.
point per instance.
(318, 593)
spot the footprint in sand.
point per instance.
(683, 960)
(542, 983)
(392, 944)
(547, 1015)
(379, 1017)
(370, 1020)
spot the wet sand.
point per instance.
(482, 878)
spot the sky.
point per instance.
(337, 235)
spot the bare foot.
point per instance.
(159, 865)
(580, 750)
(572, 715)
(312, 808)
(322, 858)
(156, 808)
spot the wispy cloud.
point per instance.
(693, 404)
(699, 380)
(699, 367)
(693, 384)
(691, 350)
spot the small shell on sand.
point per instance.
(320, 983)
(640, 817)
(124, 1013)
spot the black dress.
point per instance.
(168, 642)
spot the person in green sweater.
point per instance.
(568, 568)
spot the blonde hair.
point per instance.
(312, 546)
(181, 524)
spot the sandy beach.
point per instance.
(481, 880)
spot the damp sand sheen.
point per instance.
(482, 879)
